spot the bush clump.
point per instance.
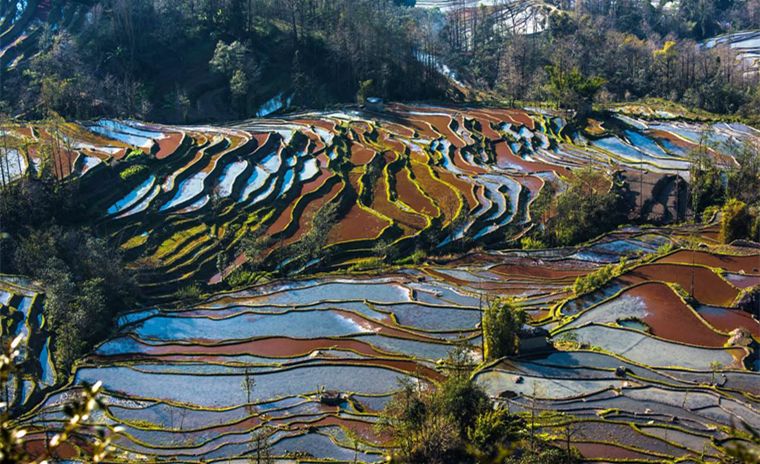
(457, 422)
(735, 221)
(189, 293)
(594, 203)
(502, 321)
(597, 279)
(133, 171)
(530, 243)
(242, 277)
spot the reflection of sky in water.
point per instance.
(210, 391)
(299, 324)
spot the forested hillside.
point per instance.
(211, 60)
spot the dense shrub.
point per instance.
(456, 422)
(242, 277)
(502, 321)
(134, 155)
(46, 237)
(86, 286)
(491, 428)
(530, 243)
(597, 279)
(136, 170)
(735, 221)
(189, 294)
(592, 204)
(707, 188)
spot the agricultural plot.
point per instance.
(518, 16)
(176, 198)
(648, 370)
(21, 310)
(657, 361)
(745, 44)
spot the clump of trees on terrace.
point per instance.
(502, 322)
(732, 190)
(456, 421)
(593, 203)
(45, 234)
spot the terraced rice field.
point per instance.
(453, 175)
(520, 16)
(632, 372)
(653, 365)
(745, 44)
(21, 305)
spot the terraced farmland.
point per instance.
(654, 364)
(21, 310)
(745, 44)
(449, 176)
(517, 16)
(640, 372)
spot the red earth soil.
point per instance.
(706, 234)
(35, 446)
(284, 219)
(386, 139)
(497, 287)
(505, 158)
(357, 224)
(311, 209)
(671, 319)
(670, 137)
(262, 138)
(460, 162)
(409, 194)
(373, 326)
(360, 154)
(271, 347)
(447, 199)
(516, 117)
(169, 145)
(745, 264)
(708, 287)
(24, 131)
(743, 281)
(538, 270)
(316, 144)
(398, 129)
(422, 127)
(441, 124)
(532, 183)
(726, 320)
(410, 221)
(366, 430)
(234, 143)
(486, 129)
(465, 188)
